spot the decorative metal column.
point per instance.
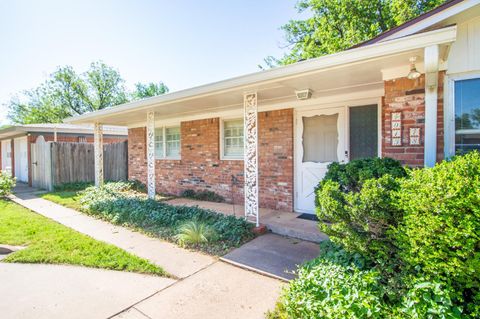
(251, 157)
(98, 152)
(151, 154)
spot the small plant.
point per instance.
(194, 232)
(204, 195)
(7, 182)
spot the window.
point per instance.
(167, 142)
(233, 139)
(467, 115)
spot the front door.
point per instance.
(320, 140)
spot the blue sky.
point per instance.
(182, 43)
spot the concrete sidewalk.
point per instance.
(36, 291)
(175, 260)
(206, 288)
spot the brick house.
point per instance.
(267, 138)
(16, 141)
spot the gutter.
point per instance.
(340, 59)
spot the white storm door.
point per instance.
(7, 156)
(21, 159)
(320, 140)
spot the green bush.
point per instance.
(335, 285)
(351, 176)
(439, 236)
(7, 182)
(417, 233)
(117, 203)
(427, 300)
(361, 221)
(203, 195)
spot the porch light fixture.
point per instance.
(303, 94)
(413, 74)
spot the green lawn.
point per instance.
(65, 198)
(52, 243)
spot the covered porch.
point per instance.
(326, 86)
(283, 223)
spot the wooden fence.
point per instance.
(56, 163)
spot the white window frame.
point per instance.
(222, 139)
(164, 142)
(449, 109)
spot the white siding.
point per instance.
(465, 52)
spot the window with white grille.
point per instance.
(232, 139)
(167, 142)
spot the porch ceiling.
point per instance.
(346, 72)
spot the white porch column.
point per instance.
(251, 157)
(431, 101)
(98, 152)
(151, 154)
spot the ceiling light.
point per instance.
(413, 74)
(303, 94)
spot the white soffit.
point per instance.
(328, 75)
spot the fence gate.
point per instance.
(42, 164)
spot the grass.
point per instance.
(68, 199)
(52, 243)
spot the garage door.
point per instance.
(7, 156)
(20, 155)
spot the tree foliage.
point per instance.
(337, 25)
(143, 91)
(67, 93)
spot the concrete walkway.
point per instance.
(206, 287)
(36, 291)
(175, 260)
(273, 255)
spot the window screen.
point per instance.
(467, 115)
(233, 138)
(363, 132)
(320, 138)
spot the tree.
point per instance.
(336, 25)
(148, 90)
(66, 93)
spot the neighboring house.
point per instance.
(15, 143)
(271, 134)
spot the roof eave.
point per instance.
(344, 58)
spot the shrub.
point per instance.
(439, 236)
(203, 195)
(194, 233)
(117, 202)
(7, 182)
(333, 286)
(427, 300)
(361, 221)
(351, 176)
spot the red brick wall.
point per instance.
(200, 166)
(408, 96)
